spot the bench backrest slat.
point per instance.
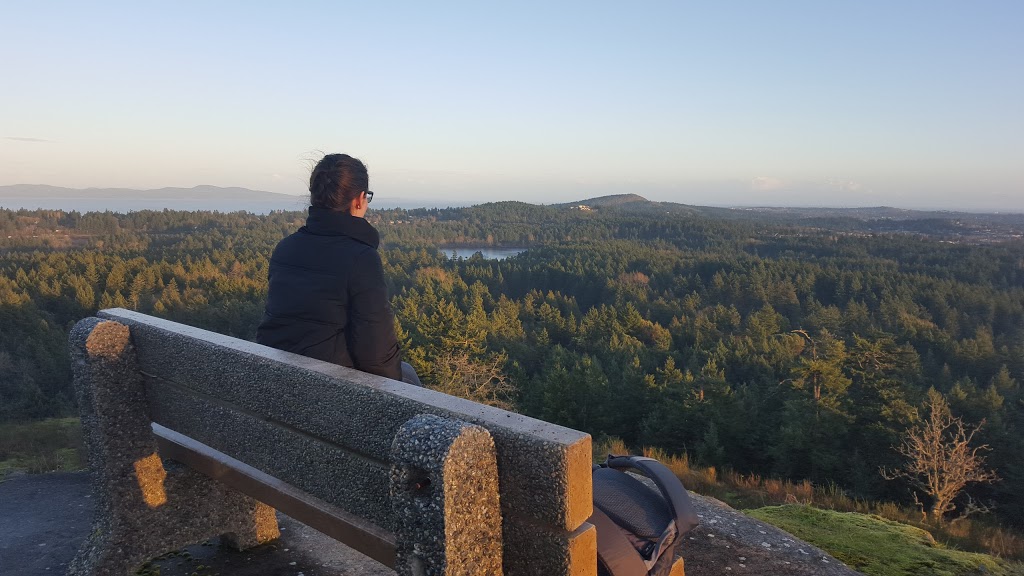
(321, 468)
(363, 536)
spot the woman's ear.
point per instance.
(358, 206)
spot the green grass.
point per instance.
(43, 446)
(879, 547)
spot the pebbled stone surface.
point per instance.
(542, 466)
(730, 542)
(444, 486)
(328, 430)
(143, 506)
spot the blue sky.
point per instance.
(910, 103)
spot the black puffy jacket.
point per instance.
(327, 297)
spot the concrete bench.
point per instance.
(194, 435)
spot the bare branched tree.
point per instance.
(480, 380)
(973, 506)
(940, 461)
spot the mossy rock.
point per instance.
(877, 546)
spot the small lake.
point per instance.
(488, 252)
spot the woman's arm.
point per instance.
(370, 334)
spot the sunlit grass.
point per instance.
(877, 546)
(42, 446)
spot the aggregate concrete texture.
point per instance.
(444, 487)
(361, 412)
(344, 478)
(143, 509)
(532, 550)
(330, 414)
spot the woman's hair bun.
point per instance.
(336, 180)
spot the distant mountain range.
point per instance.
(194, 193)
(32, 196)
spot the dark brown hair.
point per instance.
(336, 180)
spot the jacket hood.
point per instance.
(324, 222)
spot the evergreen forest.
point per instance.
(753, 344)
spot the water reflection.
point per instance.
(488, 252)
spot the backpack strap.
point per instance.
(614, 551)
(668, 484)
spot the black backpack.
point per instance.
(638, 528)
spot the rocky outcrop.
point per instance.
(730, 542)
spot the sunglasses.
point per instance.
(369, 196)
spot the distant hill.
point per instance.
(639, 203)
(956, 226)
(631, 202)
(612, 200)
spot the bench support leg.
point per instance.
(145, 506)
(444, 489)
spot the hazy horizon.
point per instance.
(726, 194)
(227, 199)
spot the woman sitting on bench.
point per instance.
(327, 296)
